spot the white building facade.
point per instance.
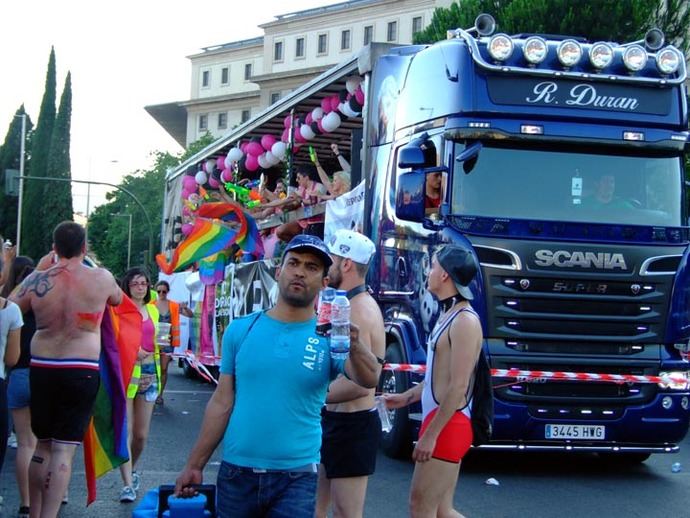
(231, 83)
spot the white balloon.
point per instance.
(263, 163)
(210, 166)
(271, 158)
(345, 109)
(201, 178)
(317, 113)
(352, 83)
(235, 155)
(278, 150)
(331, 122)
(307, 132)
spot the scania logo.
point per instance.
(566, 259)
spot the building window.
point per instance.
(278, 51)
(275, 97)
(322, 46)
(205, 78)
(222, 120)
(247, 71)
(299, 48)
(203, 122)
(392, 34)
(345, 40)
(416, 24)
(246, 115)
(368, 34)
(224, 75)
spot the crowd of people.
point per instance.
(50, 320)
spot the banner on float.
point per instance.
(346, 211)
(248, 287)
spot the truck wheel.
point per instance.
(398, 442)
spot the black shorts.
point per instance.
(350, 441)
(62, 401)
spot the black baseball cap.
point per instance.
(461, 266)
(309, 243)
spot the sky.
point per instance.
(123, 56)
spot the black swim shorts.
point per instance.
(350, 441)
(62, 396)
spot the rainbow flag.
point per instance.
(217, 227)
(105, 441)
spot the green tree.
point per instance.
(57, 206)
(609, 20)
(9, 159)
(108, 233)
(34, 190)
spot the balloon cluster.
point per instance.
(268, 151)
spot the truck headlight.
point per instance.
(675, 380)
(569, 52)
(534, 50)
(500, 47)
(635, 58)
(601, 55)
(667, 61)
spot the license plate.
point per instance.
(575, 431)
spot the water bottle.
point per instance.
(323, 320)
(340, 326)
(386, 425)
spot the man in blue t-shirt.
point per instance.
(274, 375)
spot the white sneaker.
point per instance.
(136, 481)
(128, 495)
(12, 441)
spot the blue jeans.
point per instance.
(245, 494)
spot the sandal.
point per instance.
(160, 401)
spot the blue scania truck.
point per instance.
(562, 167)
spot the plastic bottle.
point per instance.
(386, 425)
(323, 320)
(340, 326)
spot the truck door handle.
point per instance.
(403, 275)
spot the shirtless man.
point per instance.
(68, 300)
(350, 423)
(452, 353)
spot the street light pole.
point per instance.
(129, 234)
(21, 182)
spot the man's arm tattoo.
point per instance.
(40, 283)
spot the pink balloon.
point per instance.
(187, 228)
(243, 146)
(308, 119)
(189, 183)
(287, 121)
(285, 136)
(299, 137)
(213, 183)
(185, 194)
(359, 95)
(254, 148)
(326, 104)
(318, 122)
(186, 211)
(220, 162)
(335, 101)
(226, 175)
(251, 163)
(267, 142)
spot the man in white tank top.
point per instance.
(452, 351)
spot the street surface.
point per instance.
(537, 485)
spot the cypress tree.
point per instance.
(57, 206)
(9, 159)
(35, 191)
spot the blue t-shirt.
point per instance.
(282, 371)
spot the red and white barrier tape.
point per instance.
(528, 375)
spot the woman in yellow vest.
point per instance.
(145, 383)
(169, 311)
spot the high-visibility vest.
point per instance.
(133, 386)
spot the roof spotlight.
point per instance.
(601, 55)
(500, 47)
(535, 50)
(635, 58)
(668, 60)
(569, 52)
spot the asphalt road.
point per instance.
(535, 485)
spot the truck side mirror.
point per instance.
(409, 196)
(410, 157)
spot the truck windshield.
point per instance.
(559, 185)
